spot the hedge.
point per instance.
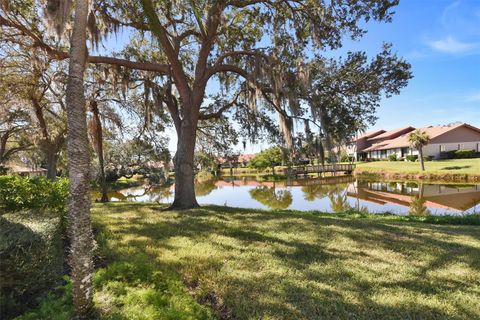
(31, 260)
(32, 216)
(18, 193)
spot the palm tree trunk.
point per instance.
(79, 224)
(420, 152)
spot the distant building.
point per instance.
(236, 161)
(380, 145)
(26, 171)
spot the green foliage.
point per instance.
(268, 158)
(17, 193)
(205, 161)
(53, 306)
(392, 157)
(31, 259)
(418, 139)
(344, 157)
(411, 157)
(458, 154)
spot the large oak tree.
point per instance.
(238, 43)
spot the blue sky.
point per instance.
(441, 39)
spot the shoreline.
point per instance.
(416, 176)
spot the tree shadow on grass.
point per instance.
(264, 264)
(456, 167)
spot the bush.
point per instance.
(411, 158)
(17, 193)
(428, 158)
(31, 260)
(392, 157)
(458, 154)
(344, 157)
(464, 154)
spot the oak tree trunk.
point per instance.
(52, 160)
(79, 224)
(326, 132)
(184, 166)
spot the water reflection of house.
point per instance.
(27, 171)
(450, 197)
(248, 182)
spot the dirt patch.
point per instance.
(211, 299)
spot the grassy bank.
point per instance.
(218, 262)
(446, 170)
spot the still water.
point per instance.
(332, 194)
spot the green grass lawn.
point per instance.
(251, 264)
(441, 167)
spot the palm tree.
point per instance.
(79, 224)
(418, 139)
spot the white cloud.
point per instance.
(451, 45)
(447, 10)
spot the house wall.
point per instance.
(430, 150)
(386, 153)
(434, 149)
(460, 138)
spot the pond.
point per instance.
(332, 194)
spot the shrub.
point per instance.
(392, 157)
(344, 157)
(411, 158)
(17, 193)
(464, 154)
(458, 154)
(31, 260)
(428, 158)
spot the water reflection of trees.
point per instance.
(339, 201)
(274, 199)
(319, 191)
(155, 194)
(204, 187)
(336, 193)
(417, 207)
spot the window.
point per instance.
(478, 147)
(460, 146)
(443, 148)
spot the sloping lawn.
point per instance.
(440, 167)
(251, 264)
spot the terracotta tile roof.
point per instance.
(369, 135)
(392, 133)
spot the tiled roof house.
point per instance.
(442, 139)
